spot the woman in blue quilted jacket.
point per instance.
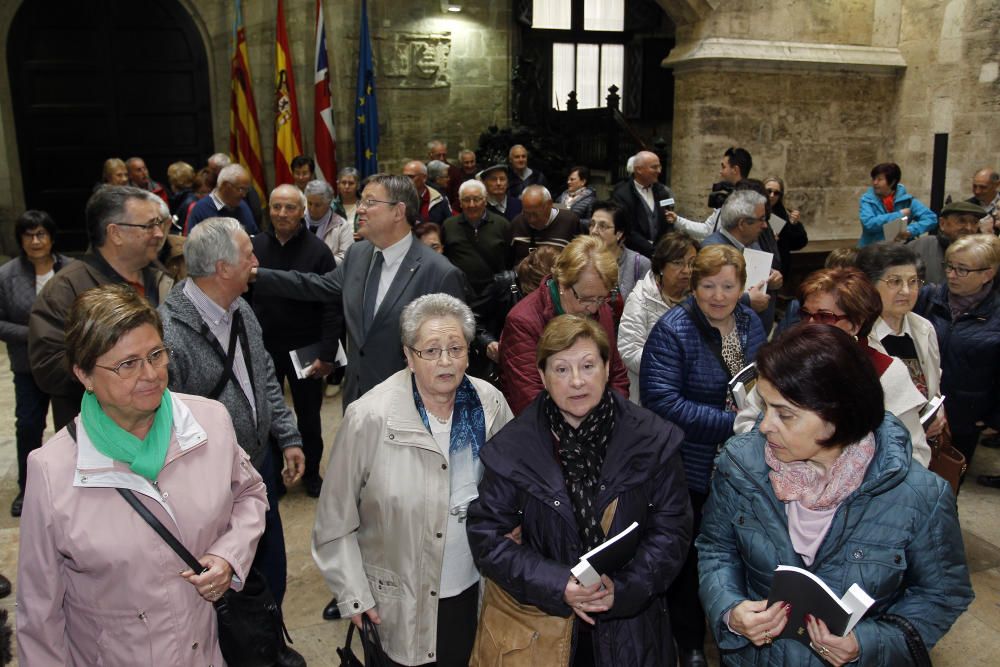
(688, 360)
(826, 482)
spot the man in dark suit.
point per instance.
(648, 204)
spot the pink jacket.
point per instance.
(95, 584)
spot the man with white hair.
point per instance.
(434, 207)
(226, 200)
(216, 163)
(541, 223)
(217, 350)
(477, 241)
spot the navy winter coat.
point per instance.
(897, 536)
(523, 485)
(970, 358)
(681, 380)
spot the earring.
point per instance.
(90, 390)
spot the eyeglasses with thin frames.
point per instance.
(370, 203)
(590, 300)
(896, 283)
(131, 367)
(434, 353)
(961, 271)
(149, 227)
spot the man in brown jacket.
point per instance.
(125, 229)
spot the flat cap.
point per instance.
(500, 166)
(963, 207)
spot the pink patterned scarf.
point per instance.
(815, 489)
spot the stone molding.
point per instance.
(755, 53)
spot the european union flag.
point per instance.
(365, 107)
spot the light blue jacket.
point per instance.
(873, 215)
(897, 536)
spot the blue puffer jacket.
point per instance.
(873, 215)
(524, 485)
(897, 536)
(970, 358)
(681, 380)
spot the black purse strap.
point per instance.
(371, 644)
(914, 642)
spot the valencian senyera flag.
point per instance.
(287, 133)
(365, 109)
(326, 140)
(244, 130)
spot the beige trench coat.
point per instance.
(379, 532)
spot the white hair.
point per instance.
(212, 240)
(436, 169)
(472, 184)
(230, 173)
(320, 187)
(288, 187)
(423, 308)
(740, 205)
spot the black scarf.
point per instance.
(581, 454)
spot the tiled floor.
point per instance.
(974, 640)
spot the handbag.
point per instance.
(914, 642)
(511, 634)
(371, 646)
(946, 460)
(250, 622)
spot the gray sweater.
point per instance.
(198, 362)
(17, 295)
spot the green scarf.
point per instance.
(145, 457)
(556, 299)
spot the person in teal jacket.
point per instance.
(826, 482)
(888, 201)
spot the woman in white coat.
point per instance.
(665, 285)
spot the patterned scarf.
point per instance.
(581, 454)
(468, 421)
(817, 490)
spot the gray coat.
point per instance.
(17, 294)
(374, 357)
(198, 361)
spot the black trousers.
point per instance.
(307, 399)
(271, 558)
(966, 443)
(687, 618)
(456, 629)
(31, 407)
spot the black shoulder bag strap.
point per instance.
(706, 335)
(237, 331)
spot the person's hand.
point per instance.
(793, 217)
(669, 216)
(759, 299)
(905, 212)
(937, 424)
(757, 622)
(371, 614)
(831, 648)
(295, 465)
(514, 535)
(775, 280)
(587, 600)
(493, 352)
(214, 581)
(319, 369)
(903, 235)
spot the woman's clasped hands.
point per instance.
(586, 600)
(757, 622)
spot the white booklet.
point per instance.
(758, 267)
(303, 357)
(931, 409)
(607, 557)
(742, 383)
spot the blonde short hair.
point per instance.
(100, 317)
(712, 259)
(985, 248)
(110, 165)
(583, 252)
(562, 332)
(180, 175)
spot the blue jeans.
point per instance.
(31, 405)
(270, 558)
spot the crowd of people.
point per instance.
(523, 377)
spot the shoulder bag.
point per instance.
(914, 642)
(946, 460)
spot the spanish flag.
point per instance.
(244, 130)
(287, 133)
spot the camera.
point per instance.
(720, 191)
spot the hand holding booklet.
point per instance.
(808, 594)
(608, 557)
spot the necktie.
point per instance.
(371, 290)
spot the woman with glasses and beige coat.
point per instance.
(390, 535)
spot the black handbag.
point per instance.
(250, 622)
(371, 645)
(914, 642)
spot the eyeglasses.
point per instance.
(774, 192)
(681, 263)
(821, 316)
(149, 227)
(751, 221)
(590, 300)
(40, 235)
(434, 353)
(131, 367)
(370, 203)
(961, 271)
(896, 283)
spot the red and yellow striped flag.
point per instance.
(244, 130)
(287, 133)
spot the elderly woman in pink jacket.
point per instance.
(96, 585)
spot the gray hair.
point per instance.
(230, 173)
(739, 205)
(421, 167)
(321, 188)
(630, 166)
(466, 151)
(537, 189)
(424, 308)
(107, 207)
(221, 159)
(472, 184)
(211, 240)
(436, 142)
(436, 169)
(349, 171)
(400, 189)
(288, 187)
